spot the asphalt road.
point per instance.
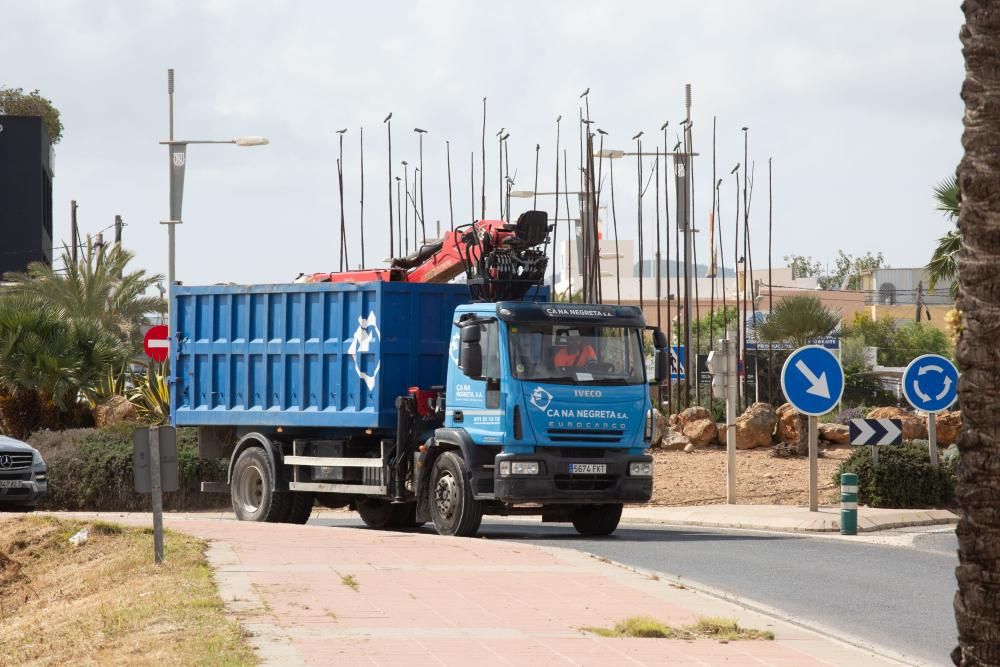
(897, 597)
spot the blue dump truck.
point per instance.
(408, 403)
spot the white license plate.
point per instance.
(588, 468)
(10, 484)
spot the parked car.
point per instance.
(23, 479)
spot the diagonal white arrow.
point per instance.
(864, 432)
(922, 395)
(818, 385)
(892, 432)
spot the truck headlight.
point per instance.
(505, 468)
(640, 469)
(524, 467)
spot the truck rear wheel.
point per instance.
(252, 489)
(453, 508)
(382, 514)
(300, 507)
(595, 520)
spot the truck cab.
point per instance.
(548, 405)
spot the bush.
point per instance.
(904, 478)
(91, 469)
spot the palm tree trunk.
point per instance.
(977, 603)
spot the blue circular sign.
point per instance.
(812, 380)
(930, 383)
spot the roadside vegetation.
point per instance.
(708, 627)
(104, 602)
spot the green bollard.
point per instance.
(848, 504)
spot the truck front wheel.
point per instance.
(596, 520)
(252, 489)
(453, 508)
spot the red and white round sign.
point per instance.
(156, 343)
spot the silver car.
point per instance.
(23, 480)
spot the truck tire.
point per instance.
(596, 520)
(381, 514)
(251, 489)
(300, 507)
(453, 509)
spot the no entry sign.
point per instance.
(156, 343)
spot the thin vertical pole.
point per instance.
(73, 232)
(362, 148)
(423, 228)
(638, 213)
(392, 242)
(472, 182)
(156, 485)
(569, 227)
(813, 464)
(507, 181)
(482, 215)
(399, 217)
(340, 191)
(555, 223)
(406, 210)
(770, 279)
(451, 201)
(614, 223)
(534, 201)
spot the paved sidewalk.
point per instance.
(426, 600)
(784, 517)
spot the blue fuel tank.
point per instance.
(326, 355)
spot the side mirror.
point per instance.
(662, 366)
(470, 356)
(659, 339)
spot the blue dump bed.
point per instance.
(328, 355)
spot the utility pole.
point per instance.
(73, 232)
(118, 229)
(920, 300)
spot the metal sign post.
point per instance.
(725, 384)
(154, 462)
(813, 382)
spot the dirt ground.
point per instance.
(699, 477)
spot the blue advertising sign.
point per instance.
(812, 380)
(930, 383)
(830, 342)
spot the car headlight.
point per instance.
(524, 467)
(37, 462)
(640, 469)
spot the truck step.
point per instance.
(340, 462)
(325, 487)
(214, 487)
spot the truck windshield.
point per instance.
(573, 354)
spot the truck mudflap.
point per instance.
(563, 478)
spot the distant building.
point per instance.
(26, 172)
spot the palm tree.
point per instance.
(96, 289)
(977, 602)
(943, 264)
(798, 320)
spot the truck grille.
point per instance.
(581, 435)
(13, 461)
(584, 482)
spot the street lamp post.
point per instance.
(177, 152)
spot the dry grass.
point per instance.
(349, 581)
(721, 629)
(104, 602)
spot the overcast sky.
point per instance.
(856, 102)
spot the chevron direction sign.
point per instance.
(876, 432)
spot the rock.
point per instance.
(838, 434)
(755, 426)
(660, 426)
(914, 426)
(701, 432)
(689, 448)
(949, 424)
(674, 441)
(788, 425)
(685, 417)
(113, 411)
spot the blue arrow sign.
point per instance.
(930, 383)
(677, 362)
(812, 380)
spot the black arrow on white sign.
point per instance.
(876, 432)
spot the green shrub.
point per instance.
(904, 478)
(91, 469)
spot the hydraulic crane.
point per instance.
(501, 261)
